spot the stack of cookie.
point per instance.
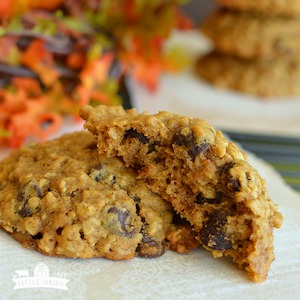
(257, 47)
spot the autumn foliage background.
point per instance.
(58, 55)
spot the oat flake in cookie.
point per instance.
(62, 199)
(206, 178)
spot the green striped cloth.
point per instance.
(283, 153)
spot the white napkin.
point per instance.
(173, 276)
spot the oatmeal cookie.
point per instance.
(62, 199)
(263, 78)
(249, 35)
(207, 179)
(268, 7)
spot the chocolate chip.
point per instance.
(25, 212)
(124, 219)
(99, 173)
(136, 199)
(96, 174)
(189, 142)
(149, 247)
(151, 148)
(81, 234)
(92, 146)
(38, 236)
(200, 199)
(159, 160)
(132, 133)
(197, 150)
(212, 234)
(234, 185)
(224, 169)
(183, 140)
(150, 241)
(59, 230)
(138, 209)
(29, 190)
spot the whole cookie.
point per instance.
(268, 7)
(263, 78)
(62, 199)
(249, 35)
(206, 178)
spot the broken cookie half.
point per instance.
(206, 178)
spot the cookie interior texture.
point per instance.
(205, 177)
(63, 199)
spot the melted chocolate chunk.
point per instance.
(123, 218)
(137, 200)
(138, 209)
(189, 142)
(197, 150)
(212, 234)
(27, 191)
(150, 241)
(81, 234)
(183, 140)
(96, 174)
(234, 184)
(151, 148)
(30, 189)
(92, 146)
(226, 167)
(25, 212)
(149, 247)
(38, 236)
(59, 230)
(132, 133)
(202, 200)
